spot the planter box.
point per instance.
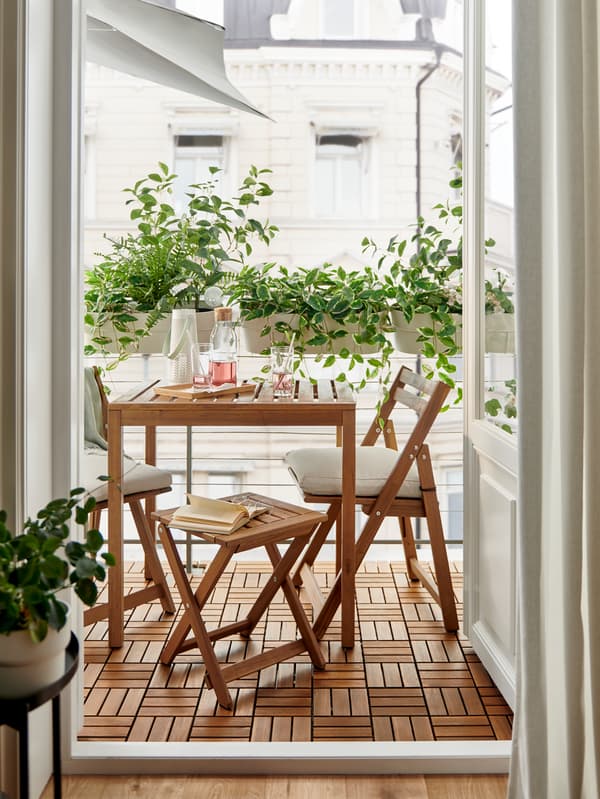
(252, 341)
(499, 331)
(153, 343)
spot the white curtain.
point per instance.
(556, 738)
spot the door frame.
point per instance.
(65, 396)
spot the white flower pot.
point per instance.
(405, 335)
(154, 342)
(499, 331)
(26, 666)
(252, 341)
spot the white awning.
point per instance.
(162, 45)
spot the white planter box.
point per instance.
(153, 343)
(252, 341)
(499, 332)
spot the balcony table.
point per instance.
(323, 404)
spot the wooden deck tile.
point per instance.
(405, 679)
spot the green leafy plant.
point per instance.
(502, 406)
(171, 259)
(41, 560)
(429, 282)
(337, 311)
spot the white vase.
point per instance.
(27, 666)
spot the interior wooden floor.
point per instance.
(444, 786)
(406, 678)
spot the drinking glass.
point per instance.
(282, 371)
(201, 366)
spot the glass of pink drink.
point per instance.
(282, 371)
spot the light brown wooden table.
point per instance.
(324, 404)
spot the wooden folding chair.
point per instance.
(141, 483)
(281, 522)
(388, 483)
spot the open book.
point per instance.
(216, 515)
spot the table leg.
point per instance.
(116, 611)
(150, 502)
(346, 520)
(56, 764)
(24, 757)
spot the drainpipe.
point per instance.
(432, 68)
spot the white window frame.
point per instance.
(202, 153)
(64, 329)
(360, 21)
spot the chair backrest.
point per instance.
(95, 409)
(426, 398)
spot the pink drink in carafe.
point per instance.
(224, 372)
(223, 342)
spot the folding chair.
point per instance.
(281, 522)
(388, 483)
(141, 482)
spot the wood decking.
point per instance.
(406, 678)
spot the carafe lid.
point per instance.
(223, 314)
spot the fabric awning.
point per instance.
(162, 45)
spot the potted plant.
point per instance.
(338, 315)
(425, 293)
(170, 261)
(36, 565)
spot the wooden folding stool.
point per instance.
(281, 522)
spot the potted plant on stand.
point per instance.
(36, 565)
(171, 261)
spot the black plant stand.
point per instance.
(13, 712)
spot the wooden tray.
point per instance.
(189, 391)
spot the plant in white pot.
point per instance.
(425, 293)
(172, 260)
(338, 315)
(36, 565)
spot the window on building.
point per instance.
(338, 19)
(341, 171)
(195, 153)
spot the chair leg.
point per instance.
(204, 590)
(438, 543)
(194, 620)
(408, 544)
(154, 566)
(440, 561)
(306, 631)
(150, 507)
(334, 597)
(317, 542)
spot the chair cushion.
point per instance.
(319, 471)
(138, 477)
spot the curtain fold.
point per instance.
(557, 209)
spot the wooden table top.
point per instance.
(314, 395)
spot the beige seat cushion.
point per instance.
(138, 477)
(319, 471)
